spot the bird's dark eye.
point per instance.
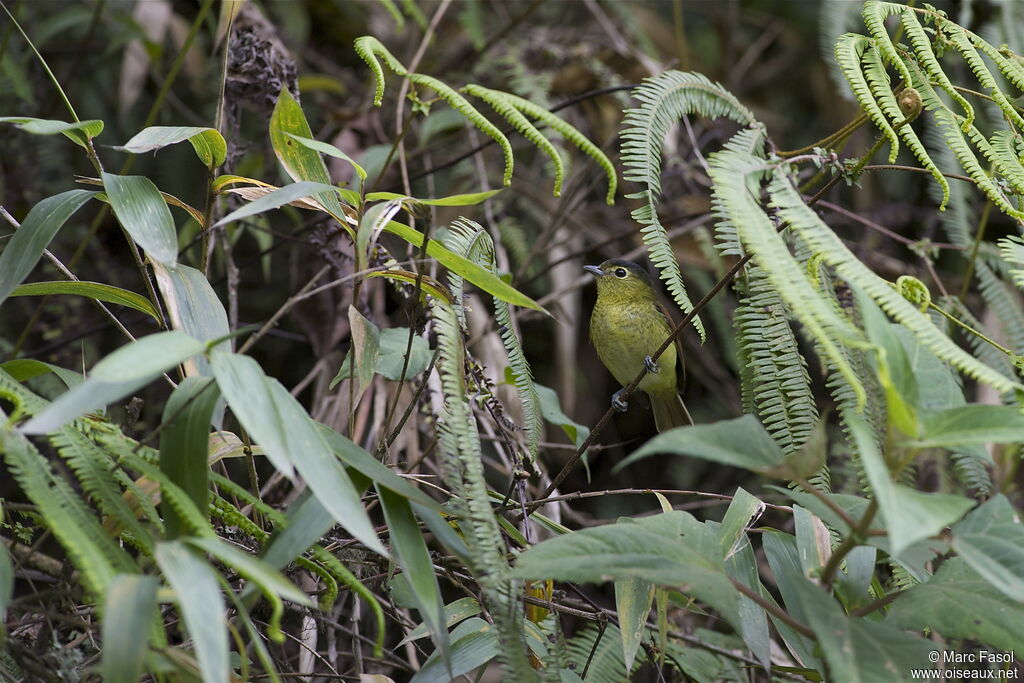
(620, 272)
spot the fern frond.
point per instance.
(94, 470)
(461, 458)
(570, 133)
(1012, 250)
(922, 45)
(887, 101)
(953, 135)
(1006, 155)
(369, 48)
(461, 105)
(606, 658)
(875, 14)
(971, 470)
(779, 386)
(822, 239)
(469, 239)
(963, 45)
(729, 171)
(850, 52)
(500, 103)
(1010, 68)
(665, 99)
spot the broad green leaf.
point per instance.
(292, 440)
(479, 276)
(390, 354)
(22, 369)
(454, 612)
(22, 251)
(859, 650)
(958, 603)
(390, 358)
(633, 599)
(129, 608)
(301, 162)
(184, 444)
(784, 560)
(909, 515)
(551, 409)
(671, 549)
(142, 212)
(194, 308)
(474, 643)
(244, 386)
(991, 540)
(329, 150)
(742, 442)
(79, 132)
(969, 425)
(470, 199)
(358, 459)
(278, 198)
(308, 521)
(410, 549)
(370, 226)
(813, 541)
(365, 347)
(118, 375)
(202, 606)
(208, 142)
(93, 290)
(743, 511)
(741, 565)
(252, 568)
(853, 583)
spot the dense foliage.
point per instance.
(294, 372)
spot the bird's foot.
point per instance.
(650, 364)
(618, 403)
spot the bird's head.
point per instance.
(619, 279)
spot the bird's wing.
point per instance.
(680, 364)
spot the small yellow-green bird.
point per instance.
(627, 326)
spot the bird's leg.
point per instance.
(650, 364)
(618, 403)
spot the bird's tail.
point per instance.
(670, 412)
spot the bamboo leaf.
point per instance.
(208, 142)
(23, 250)
(128, 613)
(92, 290)
(143, 213)
(79, 132)
(124, 371)
(202, 606)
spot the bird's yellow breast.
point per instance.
(624, 333)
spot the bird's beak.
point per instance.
(596, 270)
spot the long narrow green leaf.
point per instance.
(127, 618)
(79, 132)
(202, 606)
(252, 568)
(193, 308)
(280, 197)
(409, 548)
(208, 142)
(184, 445)
(291, 440)
(299, 161)
(23, 250)
(93, 290)
(478, 275)
(329, 150)
(124, 371)
(142, 211)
